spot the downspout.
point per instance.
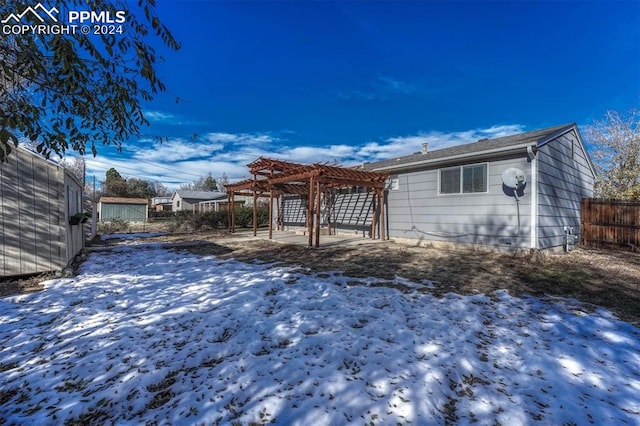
(534, 198)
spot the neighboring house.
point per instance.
(222, 203)
(119, 208)
(517, 191)
(37, 199)
(189, 200)
(161, 204)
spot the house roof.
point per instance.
(123, 200)
(497, 145)
(199, 195)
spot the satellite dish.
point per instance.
(514, 178)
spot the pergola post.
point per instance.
(280, 212)
(310, 210)
(374, 215)
(327, 195)
(318, 202)
(271, 214)
(233, 212)
(229, 210)
(255, 207)
(383, 216)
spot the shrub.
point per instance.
(160, 214)
(244, 217)
(217, 220)
(113, 226)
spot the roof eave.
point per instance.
(556, 134)
(479, 155)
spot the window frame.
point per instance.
(461, 188)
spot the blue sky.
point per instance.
(367, 80)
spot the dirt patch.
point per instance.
(21, 285)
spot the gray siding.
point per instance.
(179, 204)
(564, 178)
(416, 211)
(34, 232)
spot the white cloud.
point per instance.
(162, 117)
(221, 137)
(202, 167)
(178, 161)
(157, 116)
(393, 85)
(307, 154)
(176, 150)
(240, 138)
(503, 130)
(381, 88)
(405, 145)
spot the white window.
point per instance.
(463, 180)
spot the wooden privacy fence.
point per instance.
(608, 222)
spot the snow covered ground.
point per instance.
(146, 334)
(131, 236)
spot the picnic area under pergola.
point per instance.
(275, 178)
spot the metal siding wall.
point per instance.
(27, 213)
(562, 183)
(128, 212)
(42, 227)
(29, 199)
(416, 210)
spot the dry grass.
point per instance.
(21, 285)
(606, 278)
(610, 279)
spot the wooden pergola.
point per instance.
(274, 178)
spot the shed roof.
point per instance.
(534, 137)
(123, 200)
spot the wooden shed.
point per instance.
(37, 200)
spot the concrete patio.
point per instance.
(299, 238)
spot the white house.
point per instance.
(521, 191)
(189, 200)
